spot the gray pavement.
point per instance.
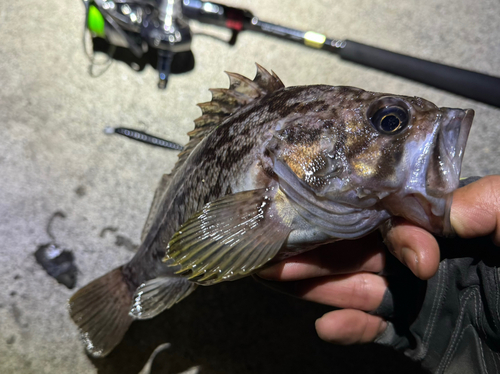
(54, 156)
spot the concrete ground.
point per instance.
(55, 157)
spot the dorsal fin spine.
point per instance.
(227, 101)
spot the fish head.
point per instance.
(388, 154)
(430, 164)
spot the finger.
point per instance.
(349, 326)
(363, 291)
(414, 247)
(367, 254)
(475, 210)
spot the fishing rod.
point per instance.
(158, 32)
(470, 84)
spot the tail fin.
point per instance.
(101, 311)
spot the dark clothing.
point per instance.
(451, 323)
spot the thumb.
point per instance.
(475, 210)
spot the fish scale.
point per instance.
(270, 172)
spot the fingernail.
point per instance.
(410, 259)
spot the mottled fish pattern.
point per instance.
(270, 172)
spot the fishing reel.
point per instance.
(158, 32)
(141, 32)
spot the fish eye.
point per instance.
(390, 119)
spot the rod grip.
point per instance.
(476, 86)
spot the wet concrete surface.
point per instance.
(54, 156)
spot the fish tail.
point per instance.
(101, 311)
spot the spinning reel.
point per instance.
(158, 32)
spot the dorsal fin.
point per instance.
(226, 101)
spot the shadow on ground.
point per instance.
(243, 327)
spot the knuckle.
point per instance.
(360, 291)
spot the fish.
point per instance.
(270, 172)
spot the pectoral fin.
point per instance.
(229, 238)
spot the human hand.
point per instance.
(344, 274)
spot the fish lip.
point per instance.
(445, 161)
(464, 131)
(460, 120)
(443, 175)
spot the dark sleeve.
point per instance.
(451, 323)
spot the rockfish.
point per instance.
(270, 172)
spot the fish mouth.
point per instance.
(426, 199)
(445, 163)
(444, 168)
